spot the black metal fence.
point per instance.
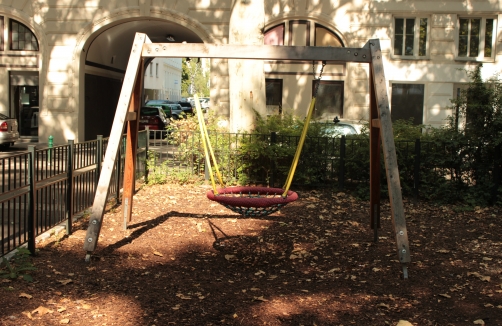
(428, 169)
(46, 187)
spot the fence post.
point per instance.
(147, 143)
(32, 232)
(496, 173)
(416, 172)
(49, 152)
(118, 173)
(99, 159)
(341, 169)
(273, 141)
(69, 188)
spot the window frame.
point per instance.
(33, 36)
(482, 39)
(416, 38)
(289, 35)
(424, 98)
(320, 114)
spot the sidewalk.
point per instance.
(23, 144)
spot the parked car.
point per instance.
(339, 127)
(186, 106)
(9, 133)
(162, 103)
(204, 104)
(153, 117)
(177, 111)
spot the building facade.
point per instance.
(62, 62)
(162, 79)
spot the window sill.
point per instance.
(469, 59)
(404, 58)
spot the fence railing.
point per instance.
(42, 188)
(46, 187)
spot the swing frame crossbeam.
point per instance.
(127, 115)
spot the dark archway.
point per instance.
(106, 61)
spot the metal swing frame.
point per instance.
(127, 115)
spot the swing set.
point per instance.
(253, 201)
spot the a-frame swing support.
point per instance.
(129, 103)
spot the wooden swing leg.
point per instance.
(380, 101)
(121, 115)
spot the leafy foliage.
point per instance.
(194, 78)
(19, 266)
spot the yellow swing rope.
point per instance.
(292, 169)
(207, 144)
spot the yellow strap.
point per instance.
(291, 173)
(207, 144)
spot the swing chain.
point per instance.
(317, 78)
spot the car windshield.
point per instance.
(339, 129)
(3, 116)
(148, 111)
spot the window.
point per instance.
(407, 102)
(275, 35)
(324, 37)
(299, 34)
(21, 37)
(329, 99)
(157, 70)
(476, 38)
(410, 37)
(273, 96)
(151, 70)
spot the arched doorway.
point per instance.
(106, 55)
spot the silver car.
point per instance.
(9, 133)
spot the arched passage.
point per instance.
(105, 56)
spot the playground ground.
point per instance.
(185, 260)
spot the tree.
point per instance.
(194, 78)
(479, 141)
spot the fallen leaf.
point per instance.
(42, 311)
(61, 309)
(25, 295)
(183, 297)
(445, 295)
(479, 322)
(28, 314)
(404, 323)
(443, 251)
(260, 299)
(156, 253)
(65, 282)
(229, 257)
(64, 321)
(383, 305)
